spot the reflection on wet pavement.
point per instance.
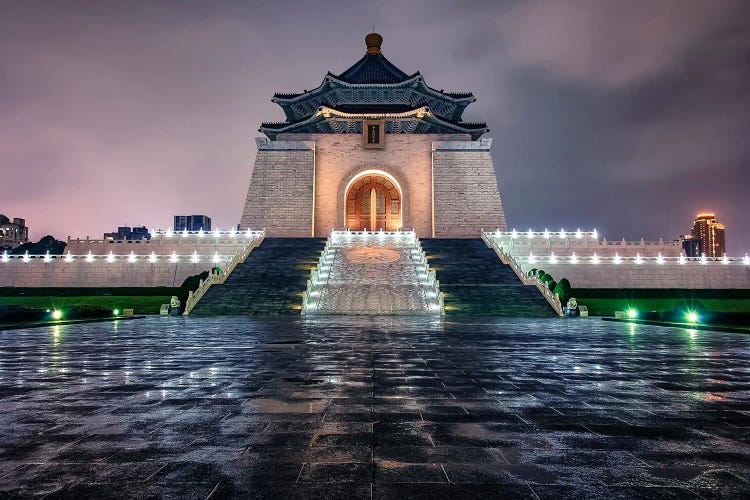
(373, 408)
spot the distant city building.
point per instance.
(710, 232)
(192, 223)
(692, 246)
(129, 233)
(13, 234)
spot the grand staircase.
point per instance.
(476, 282)
(269, 282)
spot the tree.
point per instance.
(41, 247)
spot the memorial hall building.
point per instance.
(373, 148)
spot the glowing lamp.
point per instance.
(746, 260)
(110, 257)
(725, 259)
(215, 259)
(546, 233)
(681, 260)
(692, 317)
(579, 234)
(184, 233)
(660, 259)
(168, 234)
(595, 259)
(57, 314)
(532, 259)
(574, 258)
(618, 259)
(152, 257)
(194, 258)
(513, 234)
(131, 258)
(115, 312)
(530, 233)
(632, 313)
(552, 258)
(47, 257)
(704, 260)
(217, 233)
(638, 259)
(173, 259)
(68, 257)
(5, 256)
(562, 233)
(26, 257)
(200, 233)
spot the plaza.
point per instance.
(373, 407)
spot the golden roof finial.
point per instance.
(373, 42)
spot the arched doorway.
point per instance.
(373, 201)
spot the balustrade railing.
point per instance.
(218, 278)
(508, 259)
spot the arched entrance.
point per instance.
(373, 201)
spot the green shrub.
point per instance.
(551, 284)
(532, 272)
(563, 290)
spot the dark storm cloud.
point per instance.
(627, 116)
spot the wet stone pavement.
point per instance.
(373, 408)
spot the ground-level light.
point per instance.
(56, 314)
(632, 313)
(692, 317)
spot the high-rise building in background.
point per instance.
(192, 223)
(128, 233)
(710, 232)
(13, 234)
(692, 246)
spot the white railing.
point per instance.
(157, 234)
(637, 259)
(219, 278)
(132, 258)
(531, 234)
(508, 259)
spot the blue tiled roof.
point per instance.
(373, 68)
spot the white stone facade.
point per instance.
(447, 183)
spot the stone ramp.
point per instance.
(269, 282)
(476, 282)
(372, 273)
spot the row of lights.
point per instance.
(132, 258)
(201, 233)
(530, 234)
(690, 316)
(617, 259)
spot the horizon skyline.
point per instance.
(114, 109)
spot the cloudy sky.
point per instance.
(628, 116)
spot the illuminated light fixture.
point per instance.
(595, 234)
(746, 260)
(56, 314)
(725, 259)
(47, 257)
(579, 234)
(131, 258)
(638, 259)
(173, 259)
(692, 317)
(168, 234)
(249, 233)
(68, 257)
(546, 233)
(115, 312)
(497, 233)
(681, 260)
(217, 233)
(110, 257)
(194, 258)
(617, 259)
(5, 256)
(513, 234)
(233, 232)
(184, 233)
(562, 233)
(530, 233)
(26, 257)
(215, 258)
(704, 260)
(89, 257)
(574, 258)
(659, 259)
(552, 258)
(632, 313)
(595, 258)
(532, 259)
(152, 257)
(200, 233)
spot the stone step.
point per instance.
(269, 282)
(476, 282)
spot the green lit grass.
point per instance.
(139, 304)
(608, 306)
